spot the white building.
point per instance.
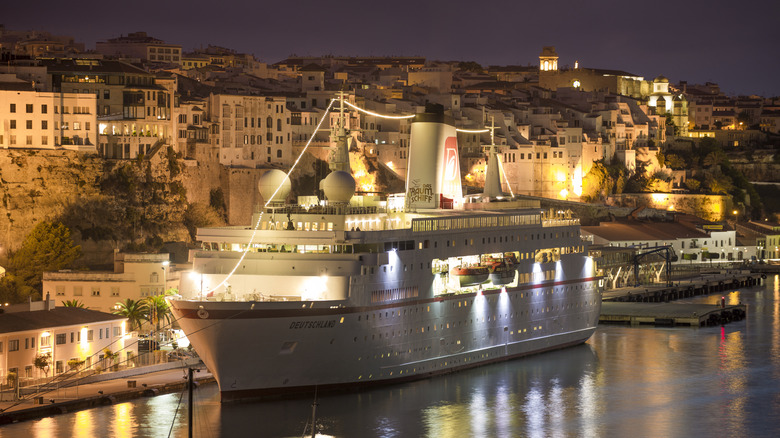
(135, 276)
(47, 120)
(65, 333)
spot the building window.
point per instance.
(28, 124)
(13, 345)
(90, 335)
(117, 331)
(114, 291)
(76, 291)
(44, 124)
(28, 371)
(44, 140)
(12, 124)
(28, 140)
(58, 367)
(29, 108)
(60, 339)
(45, 341)
(13, 107)
(95, 292)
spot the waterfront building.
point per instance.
(135, 276)
(69, 335)
(692, 239)
(45, 120)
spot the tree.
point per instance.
(73, 303)
(134, 311)
(217, 202)
(157, 310)
(676, 162)
(48, 247)
(199, 215)
(42, 362)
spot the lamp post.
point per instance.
(165, 275)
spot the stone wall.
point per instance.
(713, 208)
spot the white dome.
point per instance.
(270, 181)
(339, 186)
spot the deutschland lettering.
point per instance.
(313, 324)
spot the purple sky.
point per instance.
(732, 43)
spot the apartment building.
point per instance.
(253, 130)
(46, 120)
(141, 46)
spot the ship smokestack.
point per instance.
(433, 175)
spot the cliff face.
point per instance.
(106, 204)
(39, 185)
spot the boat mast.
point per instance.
(492, 173)
(338, 158)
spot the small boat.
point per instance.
(502, 271)
(470, 275)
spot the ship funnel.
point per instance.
(433, 175)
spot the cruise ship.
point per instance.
(353, 292)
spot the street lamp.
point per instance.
(165, 275)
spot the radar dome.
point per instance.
(270, 181)
(339, 186)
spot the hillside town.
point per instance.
(140, 133)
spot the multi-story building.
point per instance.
(46, 120)
(68, 335)
(253, 130)
(135, 276)
(141, 46)
(133, 108)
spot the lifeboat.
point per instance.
(502, 271)
(470, 275)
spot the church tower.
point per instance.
(548, 60)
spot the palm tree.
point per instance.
(73, 303)
(158, 310)
(134, 311)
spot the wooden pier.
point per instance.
(670, 314)
(702, 285)
(652, 304)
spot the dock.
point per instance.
(652, 304)
(670, 314)
(685, 288)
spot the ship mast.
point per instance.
(338, 158)
(492, 173)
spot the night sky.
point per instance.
(733, 43)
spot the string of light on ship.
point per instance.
(384, 116)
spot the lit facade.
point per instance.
(135, 276)
(253, 130)
(47, 120)
(29, 330)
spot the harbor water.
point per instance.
(625, 381)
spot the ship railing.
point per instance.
(559, 222)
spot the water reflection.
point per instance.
(713, 381)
